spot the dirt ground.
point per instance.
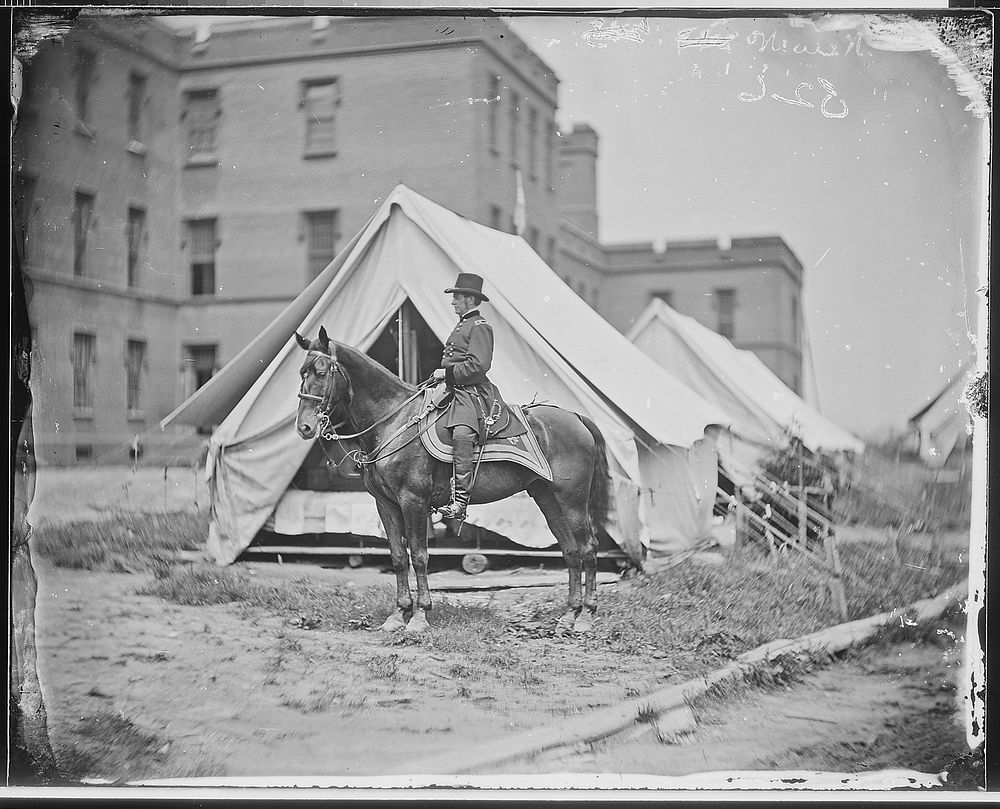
(884, 708)
(137, 688)
(217, 691)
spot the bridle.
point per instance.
(324, 428)
(327, 431)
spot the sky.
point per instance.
(870, 174)
(864, 159)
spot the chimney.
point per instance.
(577, 178)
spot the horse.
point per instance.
(382, 411)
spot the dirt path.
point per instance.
(883, 707)
(137, 689)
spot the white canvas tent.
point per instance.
(549, 345)
(943, 422)
(768, 410)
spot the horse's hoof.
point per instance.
(584, 624)
(566, 622)
(393, 623)
(417, 625)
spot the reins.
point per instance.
(328, 432)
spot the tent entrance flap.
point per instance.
(407, 346)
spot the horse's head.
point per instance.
(324, 387)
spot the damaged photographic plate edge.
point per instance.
(960, 49)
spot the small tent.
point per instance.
(944, 422)
(550, 346)
(768, 411)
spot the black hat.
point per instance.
(469, 283)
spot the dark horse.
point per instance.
(340, 384)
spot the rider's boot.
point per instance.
(463, 450)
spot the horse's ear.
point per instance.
(302, 341)
(324, 338)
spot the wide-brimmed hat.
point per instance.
(468, 283)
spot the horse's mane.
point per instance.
(383, 377)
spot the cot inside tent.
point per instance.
(550, 346)
(708, 363)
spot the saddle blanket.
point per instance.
(521, 449)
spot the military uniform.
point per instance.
(468, 355)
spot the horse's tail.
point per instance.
(599, 503)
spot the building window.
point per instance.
(201, 251)
(200, 361)
(84, 360)
(496, 218)
(201, 111)
(493, 111)
(136, 97)
(320, 100)
(532, 142)
(25, 205)
(83, 217)
(513, 126)
(666, 295)
(135, 358)
(86, 68)
(321, 239)
(135, 235)
(725, 311)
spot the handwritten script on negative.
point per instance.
(602, 32)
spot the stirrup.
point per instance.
(455, 510)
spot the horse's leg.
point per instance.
(556, 520)
(392, 521)
(415, 513)
(578, 524)
(588, 551)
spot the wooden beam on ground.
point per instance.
(303, 550)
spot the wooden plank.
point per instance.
(837, 592)
(258, 550)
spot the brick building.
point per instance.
(175, 191)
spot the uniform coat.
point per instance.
(468, 355)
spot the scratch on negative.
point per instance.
(470, 100)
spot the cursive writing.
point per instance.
(603, 32)
(769, 43)
(798, 101)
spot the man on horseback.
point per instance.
(467, 357)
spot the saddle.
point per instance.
(510, 441)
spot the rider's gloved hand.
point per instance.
(438, 374)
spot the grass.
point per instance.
(699, 616)
(111, 746)
(703, 615)
(780, 671)
(886, 488)
(312, 605)
(125, 543)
